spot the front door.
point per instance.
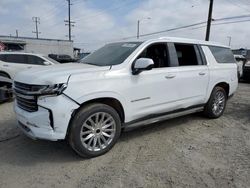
(154, 91)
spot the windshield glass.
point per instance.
(111, 54)
(51, 60)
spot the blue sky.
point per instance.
(102, 21)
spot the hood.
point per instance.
(54, 74)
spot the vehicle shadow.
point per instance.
(244, 81)
(23, 151)
(160, 126)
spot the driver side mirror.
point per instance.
(142, 64)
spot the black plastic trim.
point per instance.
(51, 119)
(204, 60)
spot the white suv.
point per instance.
(123, 85)
(13, 62)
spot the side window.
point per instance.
(158, 53)
(34, 60)
(222, 55)
(16, 58)
(187, 54)
(3, 57)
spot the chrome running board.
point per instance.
(162, 118)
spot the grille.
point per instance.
(22, 86)
(25, 101)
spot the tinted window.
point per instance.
(35, 60)
(16, 58)
(187, 54)
(14, 47)
(158, 53)
(222, 55)
(2, 57)
(111, 54)
(51, 60)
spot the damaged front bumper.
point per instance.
(50, 121)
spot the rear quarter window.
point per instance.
(34, 60)
(222, 55)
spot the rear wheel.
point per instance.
(216, 104)
(94, 130)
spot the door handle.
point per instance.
(169, 76)
(29, 67)
(5, 65)
(202, 73)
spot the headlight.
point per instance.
(49, 89)
(28, 89)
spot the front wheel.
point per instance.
(94, 130)
(216, 104)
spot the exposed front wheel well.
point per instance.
(114, 103)
(4, 74)
(225, 86)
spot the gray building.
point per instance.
(41, 46)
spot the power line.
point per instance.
(158, 32)
(236, 4)
(195, 24)
(233, 17)
(223, 23)
(180, 27)
(173, 29)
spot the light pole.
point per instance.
(138, 26)
(229, 42)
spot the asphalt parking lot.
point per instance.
(189, 151)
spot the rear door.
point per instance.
(192, 76)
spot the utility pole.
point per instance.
(16, 33)
(209, 20)
(229, 42)
(69, 22)
(138, 29)
(37, 21)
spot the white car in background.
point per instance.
(240, 60)
(13, 62)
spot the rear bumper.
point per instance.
(50, 121)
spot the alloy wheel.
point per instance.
(98, 131)
(218, 103)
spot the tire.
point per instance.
(216, 104)
(90, 128)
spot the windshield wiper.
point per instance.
(89, 63)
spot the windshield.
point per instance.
(111, 54)
(51, 60)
